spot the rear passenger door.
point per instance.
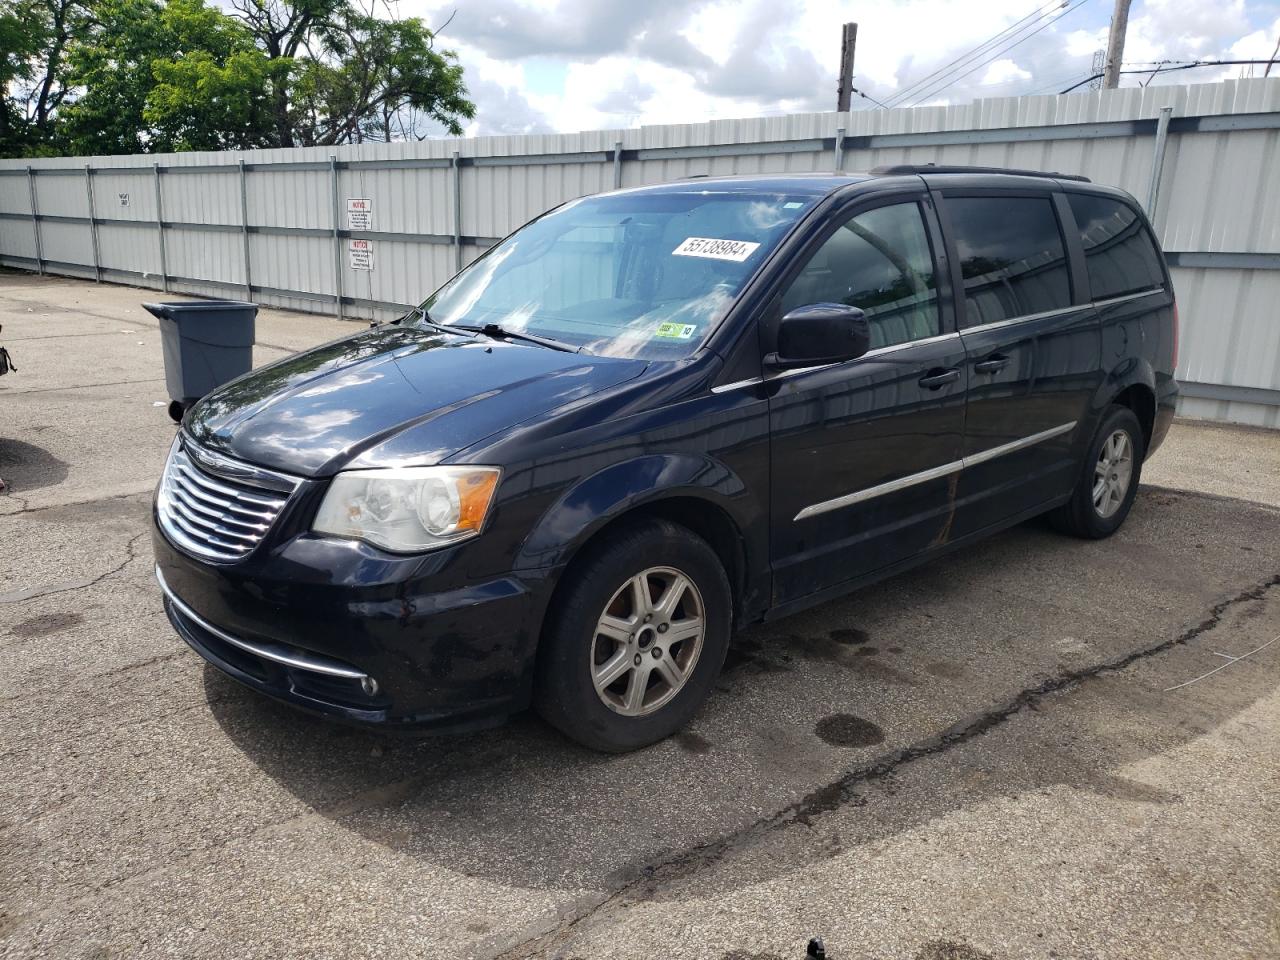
(1032, 348)
(864, 454)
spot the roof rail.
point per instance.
(906, 168)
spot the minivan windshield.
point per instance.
(644, 274)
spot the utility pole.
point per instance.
(848, 39)
(1115, 44)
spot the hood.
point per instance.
(316, 412)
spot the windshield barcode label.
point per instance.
(736, 250)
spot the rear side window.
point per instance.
(1012, 258)
(1119, 252)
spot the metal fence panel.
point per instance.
(280, 219)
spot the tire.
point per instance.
(1088, 514)
(597, 629)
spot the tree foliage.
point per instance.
(135, 76)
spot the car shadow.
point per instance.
(26, 467)
(807, 703)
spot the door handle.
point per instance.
(939, 377)
(993, 364)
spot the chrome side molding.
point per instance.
(955, 466)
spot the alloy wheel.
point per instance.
(647, 641)
(1112, 474)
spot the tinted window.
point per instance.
(1118, 250)
(880, 262)
(1011, 257)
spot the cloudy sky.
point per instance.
(567, 65)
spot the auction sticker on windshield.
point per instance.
(676, 331)
(735, 250)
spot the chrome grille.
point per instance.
(210, 514)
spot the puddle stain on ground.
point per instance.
(46, 624)
(846, 730)
(691, 742)
(945, 669)
(850, 635)
(951, 950)
(776, 653)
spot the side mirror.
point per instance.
(820, 333)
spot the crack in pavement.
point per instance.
(48, 590)
(145, 491)
(68, 387)
(840, 792)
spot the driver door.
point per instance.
(865, 454)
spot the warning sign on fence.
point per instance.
(359, 213)
(360, 254)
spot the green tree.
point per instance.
(130, 76)
(35, 36)
(354, 75)
(178, 75)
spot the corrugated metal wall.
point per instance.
(272, 224)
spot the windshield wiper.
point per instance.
(425, 319)
(499, 332)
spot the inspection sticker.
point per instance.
(676, 331)
(735, 250)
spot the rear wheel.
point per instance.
(1108, 481)
(637, 640)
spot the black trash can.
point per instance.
(205, 343)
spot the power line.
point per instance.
(1039, 13)
(1183, 66)
(866, 96)
(936, 89)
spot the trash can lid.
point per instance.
(169, 308)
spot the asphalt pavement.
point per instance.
(1038, 747)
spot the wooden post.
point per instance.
(848, 39)
(1115, 45)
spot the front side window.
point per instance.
(1119, 254)
(645, 274)
(1012, 258)
(880, 262)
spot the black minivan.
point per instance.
(651, 417)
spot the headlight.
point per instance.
(408, 509)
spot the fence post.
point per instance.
(164, 263)
(617, 164)
(457, 209)
(1157, 161)
(35, 220)
(337, 236)
(93, 223)
(839, 148)
(244, 232)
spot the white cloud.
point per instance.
(662, 61)
(1002, 71)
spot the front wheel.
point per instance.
(1108, 481)
(637, 639)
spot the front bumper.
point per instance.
(340, 630)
